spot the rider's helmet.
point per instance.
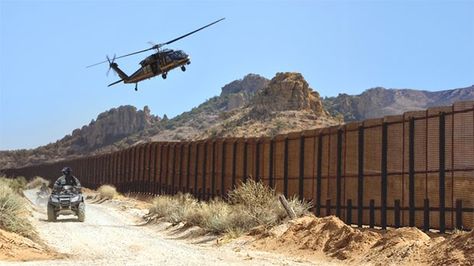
(66, 170)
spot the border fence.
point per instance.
(415, 169)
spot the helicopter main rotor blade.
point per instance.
(186, 35)
(158, 46)
(141, 51)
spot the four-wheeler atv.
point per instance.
(67, 201)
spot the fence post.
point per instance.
(160, 179)
(349, 212)
(411, 174)
(426, 215)
(245, 161)
(196, 167)
(188, 167)
(204, 169)
(397, 213)
(459, 214)
(339, 172)
(360, 180)
(181, 158)
(328, 207)
(372, 213)
(285, 170)
(383, 200)
(152, 163)
(270, 170)
(442, 165)
(319, 159)
(301, 170)
(213, 170)
(234, 163)
(257, 161)
(223, 169)
(173, 169)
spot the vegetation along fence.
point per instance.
(415, 169)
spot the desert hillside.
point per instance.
(252, 106)
(377, 102)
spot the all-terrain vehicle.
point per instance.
(67, 201)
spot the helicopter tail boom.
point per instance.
(122, 75)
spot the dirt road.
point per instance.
(111, 237)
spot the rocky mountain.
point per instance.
(251, 106)
(286, 104)
(100, 135)
(377, 102)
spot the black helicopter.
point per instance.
(158, 63)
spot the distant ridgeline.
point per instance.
(415, 169)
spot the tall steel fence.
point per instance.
(415, 169)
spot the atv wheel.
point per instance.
(81, 212)
(51, 214)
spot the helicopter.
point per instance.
(159, 63)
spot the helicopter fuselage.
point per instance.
(159, 63)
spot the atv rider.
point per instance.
(44, 189)
(67, 180)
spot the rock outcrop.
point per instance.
(112, 126)
(250, 84)
(287, 92)
(238, 93)
(100, 135)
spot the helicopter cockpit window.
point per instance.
(177, 55)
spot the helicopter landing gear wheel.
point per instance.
(163, 75)
(183, 68)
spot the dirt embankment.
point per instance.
(312, 238)
(14, 247)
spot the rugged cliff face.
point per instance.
(377, 102)
(286, 104)
(286, 92)
(110, 127)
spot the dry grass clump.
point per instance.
(13, 210)
(174, 209)
(17, 184)
(249, 205)
(37, 182)
(107, 192)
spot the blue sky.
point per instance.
(339, 47)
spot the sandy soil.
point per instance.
(313, 238)
(14, 247)
(111, 236)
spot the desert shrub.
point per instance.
(13, 212)
(16, 184)
(37, 182)
(251, 204)
(259, 202)
(175, 208)
(107, 192)
(300, 207)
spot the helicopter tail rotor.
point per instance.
(111, 62)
